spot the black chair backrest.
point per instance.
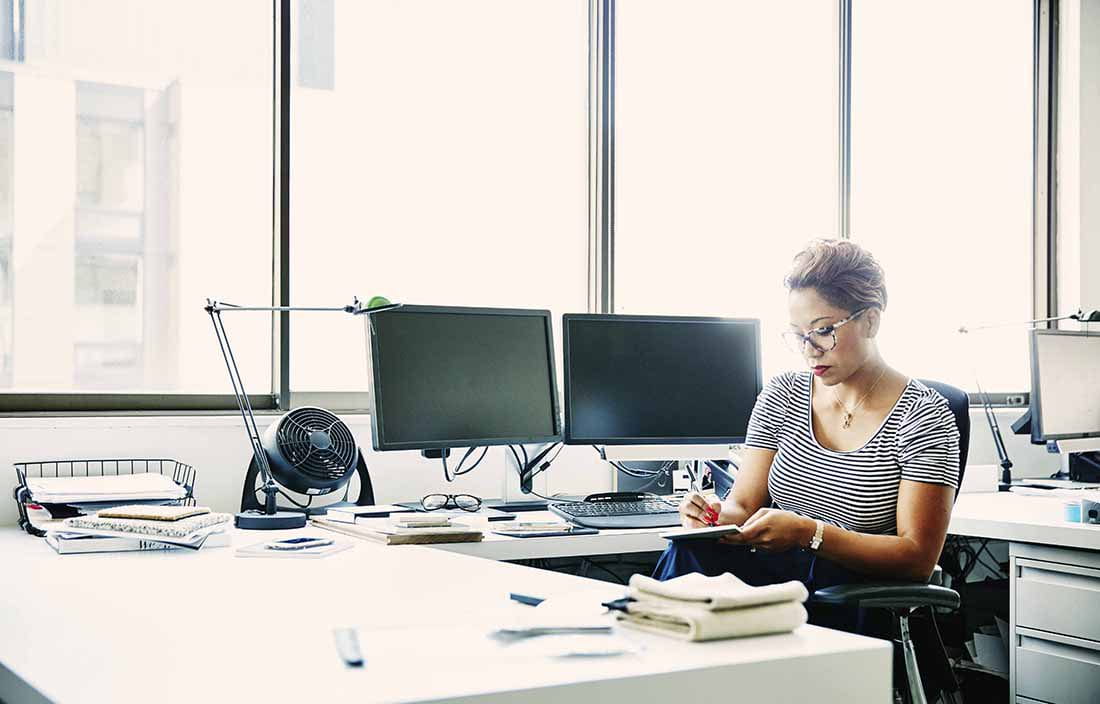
(960, 407)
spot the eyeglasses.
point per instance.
(821, 339)
(435, 502)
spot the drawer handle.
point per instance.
(1061, 650)
(1062, 579)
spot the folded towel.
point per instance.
(713, 593)
(697, 623)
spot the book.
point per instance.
(712, 532)
(76, 544)
(153, 513)
(147, 528)
(186, 532)
(350, 514)
(390, 535)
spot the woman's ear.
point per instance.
(874, 319)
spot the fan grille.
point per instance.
(316, 443)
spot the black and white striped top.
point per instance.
(856, 490)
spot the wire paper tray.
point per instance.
(182, 474)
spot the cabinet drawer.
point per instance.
(1063, 671)
(1058, 598)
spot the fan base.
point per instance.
(280, 520)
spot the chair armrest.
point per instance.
(888, 595)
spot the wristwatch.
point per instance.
(815, 542)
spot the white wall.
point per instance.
(218, 449)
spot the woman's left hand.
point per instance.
(774, 530)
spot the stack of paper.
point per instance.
(110, 488)
(191, 532)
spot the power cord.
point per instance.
(522, 465)
(458, 472)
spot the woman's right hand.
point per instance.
(699, 511)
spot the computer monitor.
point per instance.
(448, 377)
(646, 380)
(1065, 385)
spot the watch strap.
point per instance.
(819, 535)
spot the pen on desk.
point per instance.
(347, 645)
(524, 599)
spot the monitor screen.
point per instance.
(637, 380)
(1065, 384)
(462, 377)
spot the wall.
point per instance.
(218, 449)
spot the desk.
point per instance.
(1054, 589)
(193, 627)
(1054, 594)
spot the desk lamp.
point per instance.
(1091, 316)
(271, 518)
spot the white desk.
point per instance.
(1054, 587)
(1000, 516)
(195, 627)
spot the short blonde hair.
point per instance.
(842, 272)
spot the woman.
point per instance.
(849, 469)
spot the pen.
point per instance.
(347, 646)
(524, 599)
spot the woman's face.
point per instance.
(854, 341)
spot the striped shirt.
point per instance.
(855, 490)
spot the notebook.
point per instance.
(153, 513)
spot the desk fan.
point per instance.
(309, 451)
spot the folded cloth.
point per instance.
(713, 593)
(696, 607)
(698, 624)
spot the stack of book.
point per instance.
(404, 529)
(141, 527)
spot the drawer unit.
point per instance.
(1058, 598)
(1056, 668)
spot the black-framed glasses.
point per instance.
(821, 339)
(435, 502)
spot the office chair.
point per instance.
(903, 598)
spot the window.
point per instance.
(7, 186)
(447, 164)
(726, 155)
(942, 181)
(142, 185)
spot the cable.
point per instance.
(458, 471)
(519, 469)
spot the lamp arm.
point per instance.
(245, 406)
(215, 310)
(1091, 316)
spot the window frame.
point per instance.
(601, 205)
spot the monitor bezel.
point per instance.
(571, 439)
(1037, 434)
(377, 419)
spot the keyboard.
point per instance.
(645, 513)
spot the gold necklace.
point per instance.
(848, 413)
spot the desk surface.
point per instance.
(1001, 516)
(206, 626)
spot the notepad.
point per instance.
(153, 513)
